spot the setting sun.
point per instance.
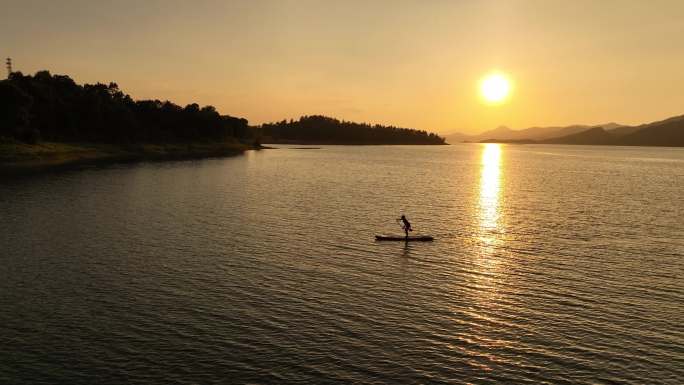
(495, 88)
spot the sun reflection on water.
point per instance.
(490, 185)
(489, 216)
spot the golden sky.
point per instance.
(408, 63)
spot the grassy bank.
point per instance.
(21, 158)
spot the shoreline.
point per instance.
(521, 142)
(333, 143)
(25, 159)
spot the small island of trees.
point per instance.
(317, 129)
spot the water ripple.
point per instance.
(551, 264)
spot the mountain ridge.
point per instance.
(666, 132)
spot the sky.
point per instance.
(407, 63)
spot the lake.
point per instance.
(557, 264)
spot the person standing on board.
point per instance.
(405, 225)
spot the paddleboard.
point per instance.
(415, 238)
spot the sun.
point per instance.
(495, 88)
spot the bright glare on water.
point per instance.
(557, 264)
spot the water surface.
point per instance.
(558, 264)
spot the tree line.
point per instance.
(55, 108)
(323, 129)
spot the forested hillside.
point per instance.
(325, 130)
(55, 108)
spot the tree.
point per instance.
(66, 111)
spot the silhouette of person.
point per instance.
(406, 225)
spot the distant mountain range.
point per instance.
(668, 132)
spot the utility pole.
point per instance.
(9, 67)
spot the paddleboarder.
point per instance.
(405, 225)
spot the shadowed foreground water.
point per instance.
(558, 264)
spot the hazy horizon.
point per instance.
(403, 63)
